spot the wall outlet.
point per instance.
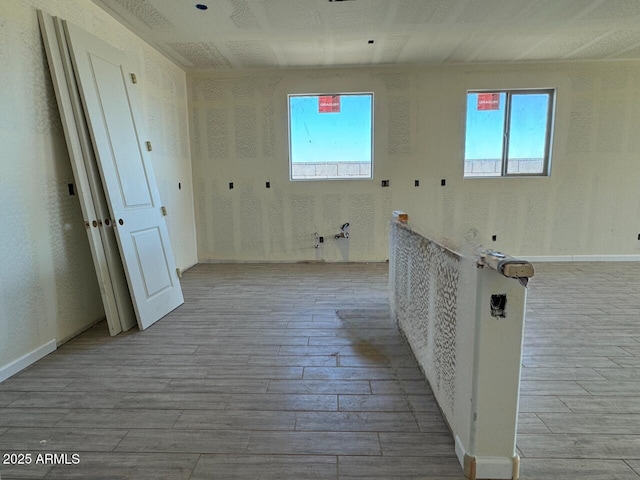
(230, 185)
(385, 183)
(443, 182)
(498, 305)
(494, 238)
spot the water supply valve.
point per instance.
(344, 231)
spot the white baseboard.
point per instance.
(24, 361)
(483, 468)
(582, 258)
(461, 452)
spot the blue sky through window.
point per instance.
(343, 136)
(528, 127)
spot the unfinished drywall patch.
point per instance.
(252, 54)
(302, 220)
(222, 213)
(569, 230)
(145, 12)
(268, 130)
(611, 107)
(245, 129)
(477, 205)
(251, 226)
(614, 41)
(444, 332)
(201, 54)
(203, 206)
(399, 124)
(394, 81)
(217, 135)
(536, 211)
(331, 213)
(208, 90)
(361, 213)
(581, 123)
(275, 239)
(393, 47)
(285, 15)
(506, 222)
(243, 16)
(581, 80)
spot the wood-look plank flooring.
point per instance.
(579, 410)
(297, 372)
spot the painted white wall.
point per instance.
(588, 206)
(48, 288)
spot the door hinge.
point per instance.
(149, 147)
(134, 78)
(164, 211)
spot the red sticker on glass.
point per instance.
(329, 104)
(488, 101)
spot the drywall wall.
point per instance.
(588, 206)
(48, 288)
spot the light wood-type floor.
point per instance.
(297, 372)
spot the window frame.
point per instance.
(546, 166)
(290, 95)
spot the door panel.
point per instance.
(108, 97)
(128, 162)
(150, 251)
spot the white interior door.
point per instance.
(83, 187)
(119, 286)
(111, 111)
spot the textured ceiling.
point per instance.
(319, 33)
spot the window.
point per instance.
(508, 133)
(331, 136)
